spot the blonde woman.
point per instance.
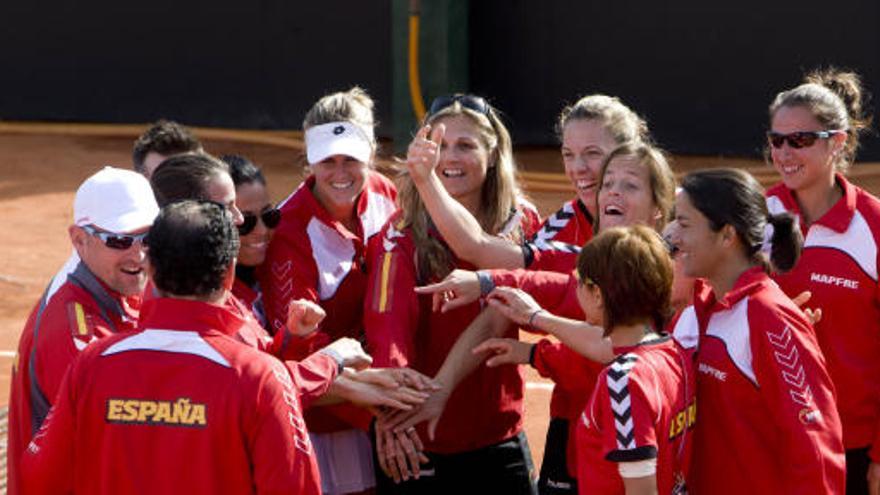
(317, 254)
(479, 441)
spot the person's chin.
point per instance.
(134, 287)
(252, 259)
(613, 221)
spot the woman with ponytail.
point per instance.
(768, 421)
(813, 138)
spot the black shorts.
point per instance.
(505, 467)
(554, 479)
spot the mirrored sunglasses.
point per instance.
(798, 140)
(113, 240)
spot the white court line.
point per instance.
(539, 386)
(7, 354)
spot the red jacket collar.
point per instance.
(167, 313)
(839, 217)
(748, 283)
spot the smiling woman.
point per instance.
(255, 232)
(317, 255)
(479, 438)
(764, 391)
(636, 186)
(813, 138)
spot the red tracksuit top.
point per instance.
(312, 375)
(643, 407)
(839, 266)
(402, 330)
(314, 257)
(768, 422)
(82, 310)
(556, 244)
(178, 407)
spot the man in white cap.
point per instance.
(162, 140)
(112, 212)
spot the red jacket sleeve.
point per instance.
(791, 373)
(562, 258)
(391, 307)
(66, 329)
(568, 369)
(282, 456)
(47, 463)
(313, 376)
(555, 292)
(625, 415)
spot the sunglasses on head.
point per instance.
(798, 140)
(270, 218)
(471, 102)
(114, 241)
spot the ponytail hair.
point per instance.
(727, 196)
(785, 243)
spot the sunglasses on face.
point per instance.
(270, 218)
(115, 241)
(798, 140)
(471, 102)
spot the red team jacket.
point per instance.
(314, 257)
(204, 413)
(402, 330)
(839, 266)
(82, 310)
(643, 407)
(768, 421)
(312, 375)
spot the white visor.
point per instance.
(338, 138)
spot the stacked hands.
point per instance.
(402, 398)
(395, 395)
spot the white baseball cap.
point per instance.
(115, 200)
(338, 138)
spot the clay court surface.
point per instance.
(41, 167)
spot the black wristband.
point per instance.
(532, 352)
